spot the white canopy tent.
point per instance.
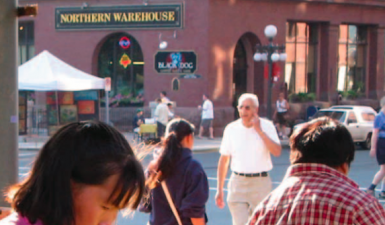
(46, 72)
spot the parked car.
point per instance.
(357, 119)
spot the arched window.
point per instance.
(175, 84)
(121, 58)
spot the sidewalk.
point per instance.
(200, 145)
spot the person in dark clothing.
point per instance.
(138, 120)
(184, 176)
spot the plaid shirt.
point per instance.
(315, 194)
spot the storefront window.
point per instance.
(121, 59)
(351, 59)
(301, 49)
(26, 41)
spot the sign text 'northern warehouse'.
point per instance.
(128, 17)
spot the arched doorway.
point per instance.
(121, 58)
(245, 70)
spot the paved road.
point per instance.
(362, 171)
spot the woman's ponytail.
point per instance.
(177, 130)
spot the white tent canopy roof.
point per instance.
(45, 72)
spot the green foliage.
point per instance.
(351, 94)
(302, 97)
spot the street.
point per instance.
(362, 171)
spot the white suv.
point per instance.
(357, 119)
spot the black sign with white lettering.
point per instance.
(127, 17)
(176, 62)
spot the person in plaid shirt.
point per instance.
(316, 189)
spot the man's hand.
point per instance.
(219, 200)
(199, 107)
(257, 123)
(372, 152)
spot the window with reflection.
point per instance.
(26, 52)
(301, 49)
(26, 41)
(351, 58)
(121, 58)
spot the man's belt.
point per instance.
(262, 174)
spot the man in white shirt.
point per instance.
(207, 117)
(163, 97)
(171, 113)
(161, 116)
(248, 142)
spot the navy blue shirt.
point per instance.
(136, 119)
(189, 190)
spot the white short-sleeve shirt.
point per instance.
(207, 110)
(247, 150)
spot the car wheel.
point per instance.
(367, 144)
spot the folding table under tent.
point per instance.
(46, 72)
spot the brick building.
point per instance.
(331, 45)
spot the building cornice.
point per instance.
(359, 3)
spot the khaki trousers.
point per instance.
(245, 193)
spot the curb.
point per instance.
(207, 148)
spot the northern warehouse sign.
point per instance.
(128, 17)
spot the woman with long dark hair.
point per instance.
(83, 175)
(176, 172)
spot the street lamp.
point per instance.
(270, 53)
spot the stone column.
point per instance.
(375, 63)
(328, 63)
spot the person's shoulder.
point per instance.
(233, 124)
(380, 115)
(13, 219)
(350, 198)
(195, 167)
(361, 202)
(266, 122)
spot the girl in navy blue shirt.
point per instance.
(184, 176)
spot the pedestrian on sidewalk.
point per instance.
(282, 106)
(171, 112)
(161, 116)
(207, 117)
(138, 120)
(83, 175)
(248, 142)
(163, 97)
(175, 171)
(378, 148)
(316, 189)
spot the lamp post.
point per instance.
(270, 53)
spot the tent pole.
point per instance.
(107, 108)
(57, 108)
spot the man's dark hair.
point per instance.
(85, 153)
(206, 95)
(158, 100)
(324, 141)
(164, 93)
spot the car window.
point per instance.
(337, 115)
(368, 116)
(352, 118)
